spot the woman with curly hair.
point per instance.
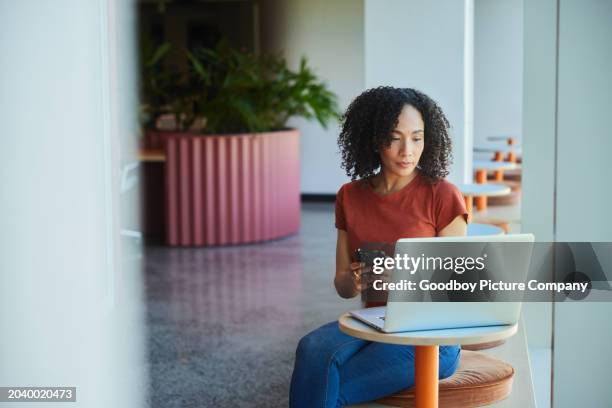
(396, 148)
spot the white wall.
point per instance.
(330, 34)
(359, 44)
(422, 44)
(498, 68)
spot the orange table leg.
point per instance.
(511, 157)
(499, 175)
(426, 376)
(481, 201)
(499, 156)
(481, 176)
(469, 206)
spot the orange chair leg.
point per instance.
(511, 157)
(499, 156)
(499, 175)
(426, 376)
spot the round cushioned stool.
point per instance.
(514, 185)
(513, 175)
(479, 380)
(510, 199)
(483, 346)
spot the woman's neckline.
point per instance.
(408, 186)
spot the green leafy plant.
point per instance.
(233, 91)
(155, 82)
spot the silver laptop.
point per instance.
(403, 313)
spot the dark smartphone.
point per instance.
(367, 256)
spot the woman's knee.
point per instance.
(307, 345)
(314, 343)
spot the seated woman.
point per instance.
(395, 146)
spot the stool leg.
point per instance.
(469, 206)
(511, 157)
(499, 175)
(499, 156)
(481, 201)
(426, 376)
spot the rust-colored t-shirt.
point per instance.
(420, 209)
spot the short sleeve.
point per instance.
(449, 204)
(340, 217)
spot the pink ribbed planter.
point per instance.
(231, 189)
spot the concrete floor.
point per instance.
(223, 322)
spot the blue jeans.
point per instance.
(333, 369)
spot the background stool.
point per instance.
(510, 199)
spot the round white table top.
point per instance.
(498, 147)
(445, 337)
(501, 137)
(484, 190)
(476, 229)
(494, 165)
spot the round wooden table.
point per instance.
(480, 192)
(426, 344)
(508, 139)
(494, 165)
(500, 149)
(151, 155)
(482, 167)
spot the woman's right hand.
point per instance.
(358, 273)
(350, 279)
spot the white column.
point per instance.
(427, 45)
(567, 169)
(538, 183)
(584, 178)
(69, 306)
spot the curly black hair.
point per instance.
(369, 121)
